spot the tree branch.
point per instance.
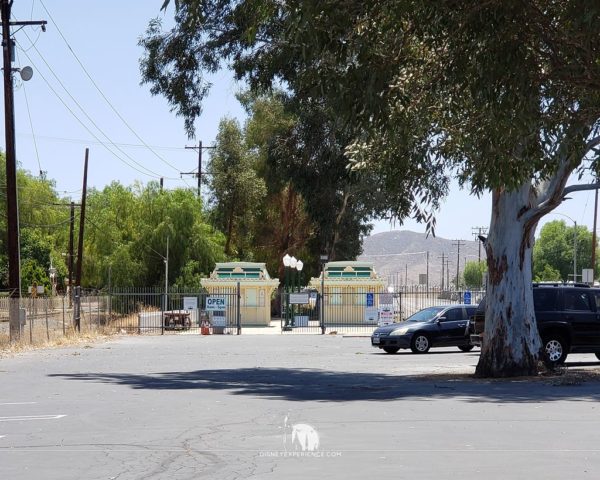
(592, 143)
(580, 188)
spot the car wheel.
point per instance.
(420, 343)
(466, 348)
(556, 349)
(391, 350)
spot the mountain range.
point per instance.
(402, 257)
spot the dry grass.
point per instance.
(39, 340)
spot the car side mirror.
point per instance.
(439, 319)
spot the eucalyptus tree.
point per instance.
(236, 189)
(503, 95)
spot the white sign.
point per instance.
(587, 275)
(190, 303)
(298, 298)
(386, 316)
(216, 304)
(219, 321)
(371, 315)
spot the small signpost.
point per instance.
(371, 315)
(370, 299)
(298, 298)
(467, 297)
(190, 303)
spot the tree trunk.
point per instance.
(511, 345)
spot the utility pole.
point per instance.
(458, 244)
(443, 264)
(71, 232)
(199, 173)
(477, 232)
(594, 238)
(81, 230)
(12, 206)
(448, 273)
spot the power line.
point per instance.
(84, 125)
(37, 153)
(81, 141)
(102, 93)
(90, 119)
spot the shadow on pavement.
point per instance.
(334, 386)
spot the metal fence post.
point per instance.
(239, 309)
(47, 327)
(322, 309)
(63, 316)
(77, 308)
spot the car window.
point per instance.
(597, 298)
(453, 315)
(471, 311)
(544, 299)
(577, 300)
(425, 315)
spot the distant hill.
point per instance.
(401, 255)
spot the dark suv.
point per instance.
(568, 319)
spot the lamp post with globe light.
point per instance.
(285, 303)
(299, 266)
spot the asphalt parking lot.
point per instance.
(286, 407)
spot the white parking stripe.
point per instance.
(18, 403)
(23, 418)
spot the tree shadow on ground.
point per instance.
(295, 384)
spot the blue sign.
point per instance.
(467, 296)
(370, 299)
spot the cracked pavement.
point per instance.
(229, 407)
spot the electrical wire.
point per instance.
(37, 153)
(32, 225)
(85, 126)
(90, 119)
(102, 93)
(88, 142)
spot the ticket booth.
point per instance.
(352, 293)
(256, 289)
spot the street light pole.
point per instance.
(285, 297)
(166, 260)
(575, 253)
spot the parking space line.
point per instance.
(18, 403)
(24, 418)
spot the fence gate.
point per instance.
(341, 311)
(177, 311)
(349, 311)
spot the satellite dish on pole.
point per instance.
(26, 73)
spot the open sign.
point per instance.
(216, 304)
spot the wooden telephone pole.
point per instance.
(12, 207)
(199, 173)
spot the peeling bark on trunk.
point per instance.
(511, 345)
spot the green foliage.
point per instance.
(548, 274)
(473, 274)
(128, 232)
(495, 93)
(237, 190)
(553, 251)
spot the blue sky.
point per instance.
(104, 35)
